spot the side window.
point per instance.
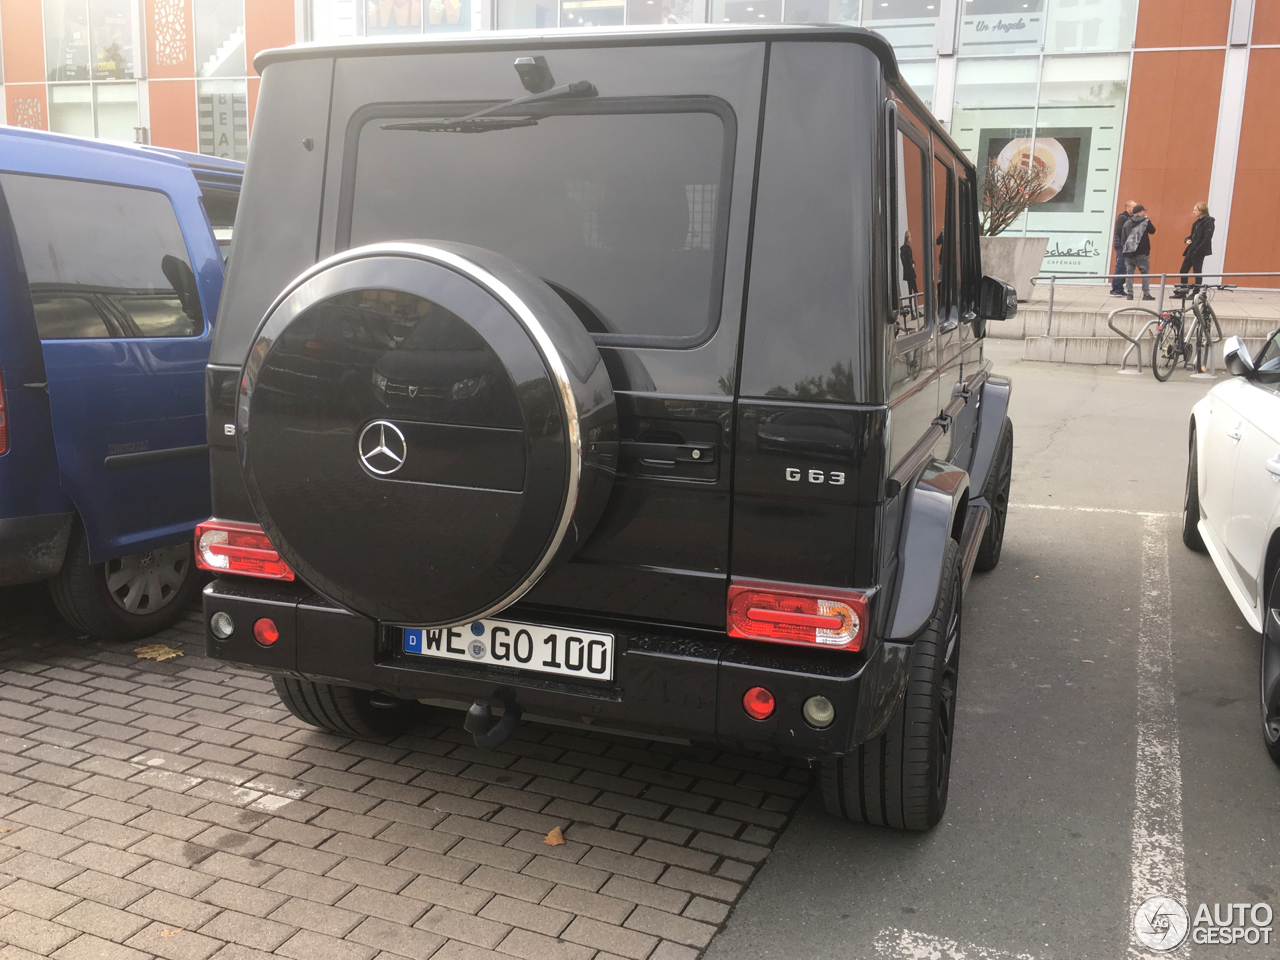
(970, 258)
(944, 242)
(911, 240)
(102, 260)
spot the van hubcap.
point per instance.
(142, 583)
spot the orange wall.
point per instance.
(23, 41)
(1168, 142)
(267, 24)
(173, 114)
(171, 48)
(1266, 21)
(1183, 23)
(26, 105)
(1255, 202)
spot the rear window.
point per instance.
(102, 260)
(621, 205)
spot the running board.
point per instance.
(975, 525)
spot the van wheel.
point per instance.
(900, 778)
(127, 598)
(347, 711)
(996, 493)
(1191, 502)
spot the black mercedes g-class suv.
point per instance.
(623, 378)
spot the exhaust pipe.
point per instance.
(481, 715)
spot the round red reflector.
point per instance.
(266, 632)
(759, 703)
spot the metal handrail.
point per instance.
(1164, 277)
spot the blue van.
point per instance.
(111, 267)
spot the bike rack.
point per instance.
(1133, 341)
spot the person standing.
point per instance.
(908, 258)
(1199, 245)
(1137, 250)
(1117, 240)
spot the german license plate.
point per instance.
(524, 646)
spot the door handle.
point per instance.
(1273, 468)
(1235, 433)
(669, 452)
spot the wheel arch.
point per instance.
(934, 509)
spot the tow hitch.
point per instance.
(481, 715)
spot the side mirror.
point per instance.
(1235, 356)
(997, 300)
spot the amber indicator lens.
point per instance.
(759, 703)
(266, 632)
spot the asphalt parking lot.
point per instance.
(1107, 748)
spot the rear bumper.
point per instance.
(33, 548)
(668, 681)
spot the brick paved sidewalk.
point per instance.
(176, 809)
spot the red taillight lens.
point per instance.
(266, 632)
(784, 613)
(226, 546)
(759, 703)
(4, 419)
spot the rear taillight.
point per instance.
(785, 613)
(4, 419)
(226, 546)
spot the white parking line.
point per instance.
(909, 945)
(1054, 506)
(1156, 861)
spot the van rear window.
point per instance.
(621, 205)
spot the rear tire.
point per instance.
(1166, 353)
(128, 598)
(1191, 502)
(346, 711)
(900, 779)
(996, 492)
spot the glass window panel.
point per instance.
(444, 15)
(526, 14)
(334, 19)
(222, 115)
(1078, 137)
(220, 38)
(822, 11)
(944, 232)
(591, 13)
(1001, 26)
(920, 76)
(910, 25)
(1090, 25)
(666, 11)
(71, 109)
(117, 110)
(111, 30)
(94, 247)
(620, 210)
(994, 105)
(66, 39)
(910, 239)
(746, 11)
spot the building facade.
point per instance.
(1166, 102)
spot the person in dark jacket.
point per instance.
(1117, 283)
(1199, 245)
(908, 259)
(1137, 250)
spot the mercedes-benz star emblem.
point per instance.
(382, 448)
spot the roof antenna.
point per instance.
(535, 74)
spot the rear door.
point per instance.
(123, 277)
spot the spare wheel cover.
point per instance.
(423, 428)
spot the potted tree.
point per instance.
(1008, 190)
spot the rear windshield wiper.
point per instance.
(483, 121)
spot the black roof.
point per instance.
(595, 37)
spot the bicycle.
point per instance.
(1174, 345)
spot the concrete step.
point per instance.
(1106, 351)
(1033, 321)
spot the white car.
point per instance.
(1232, 504)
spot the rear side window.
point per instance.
(102, 260)
(621, 205)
